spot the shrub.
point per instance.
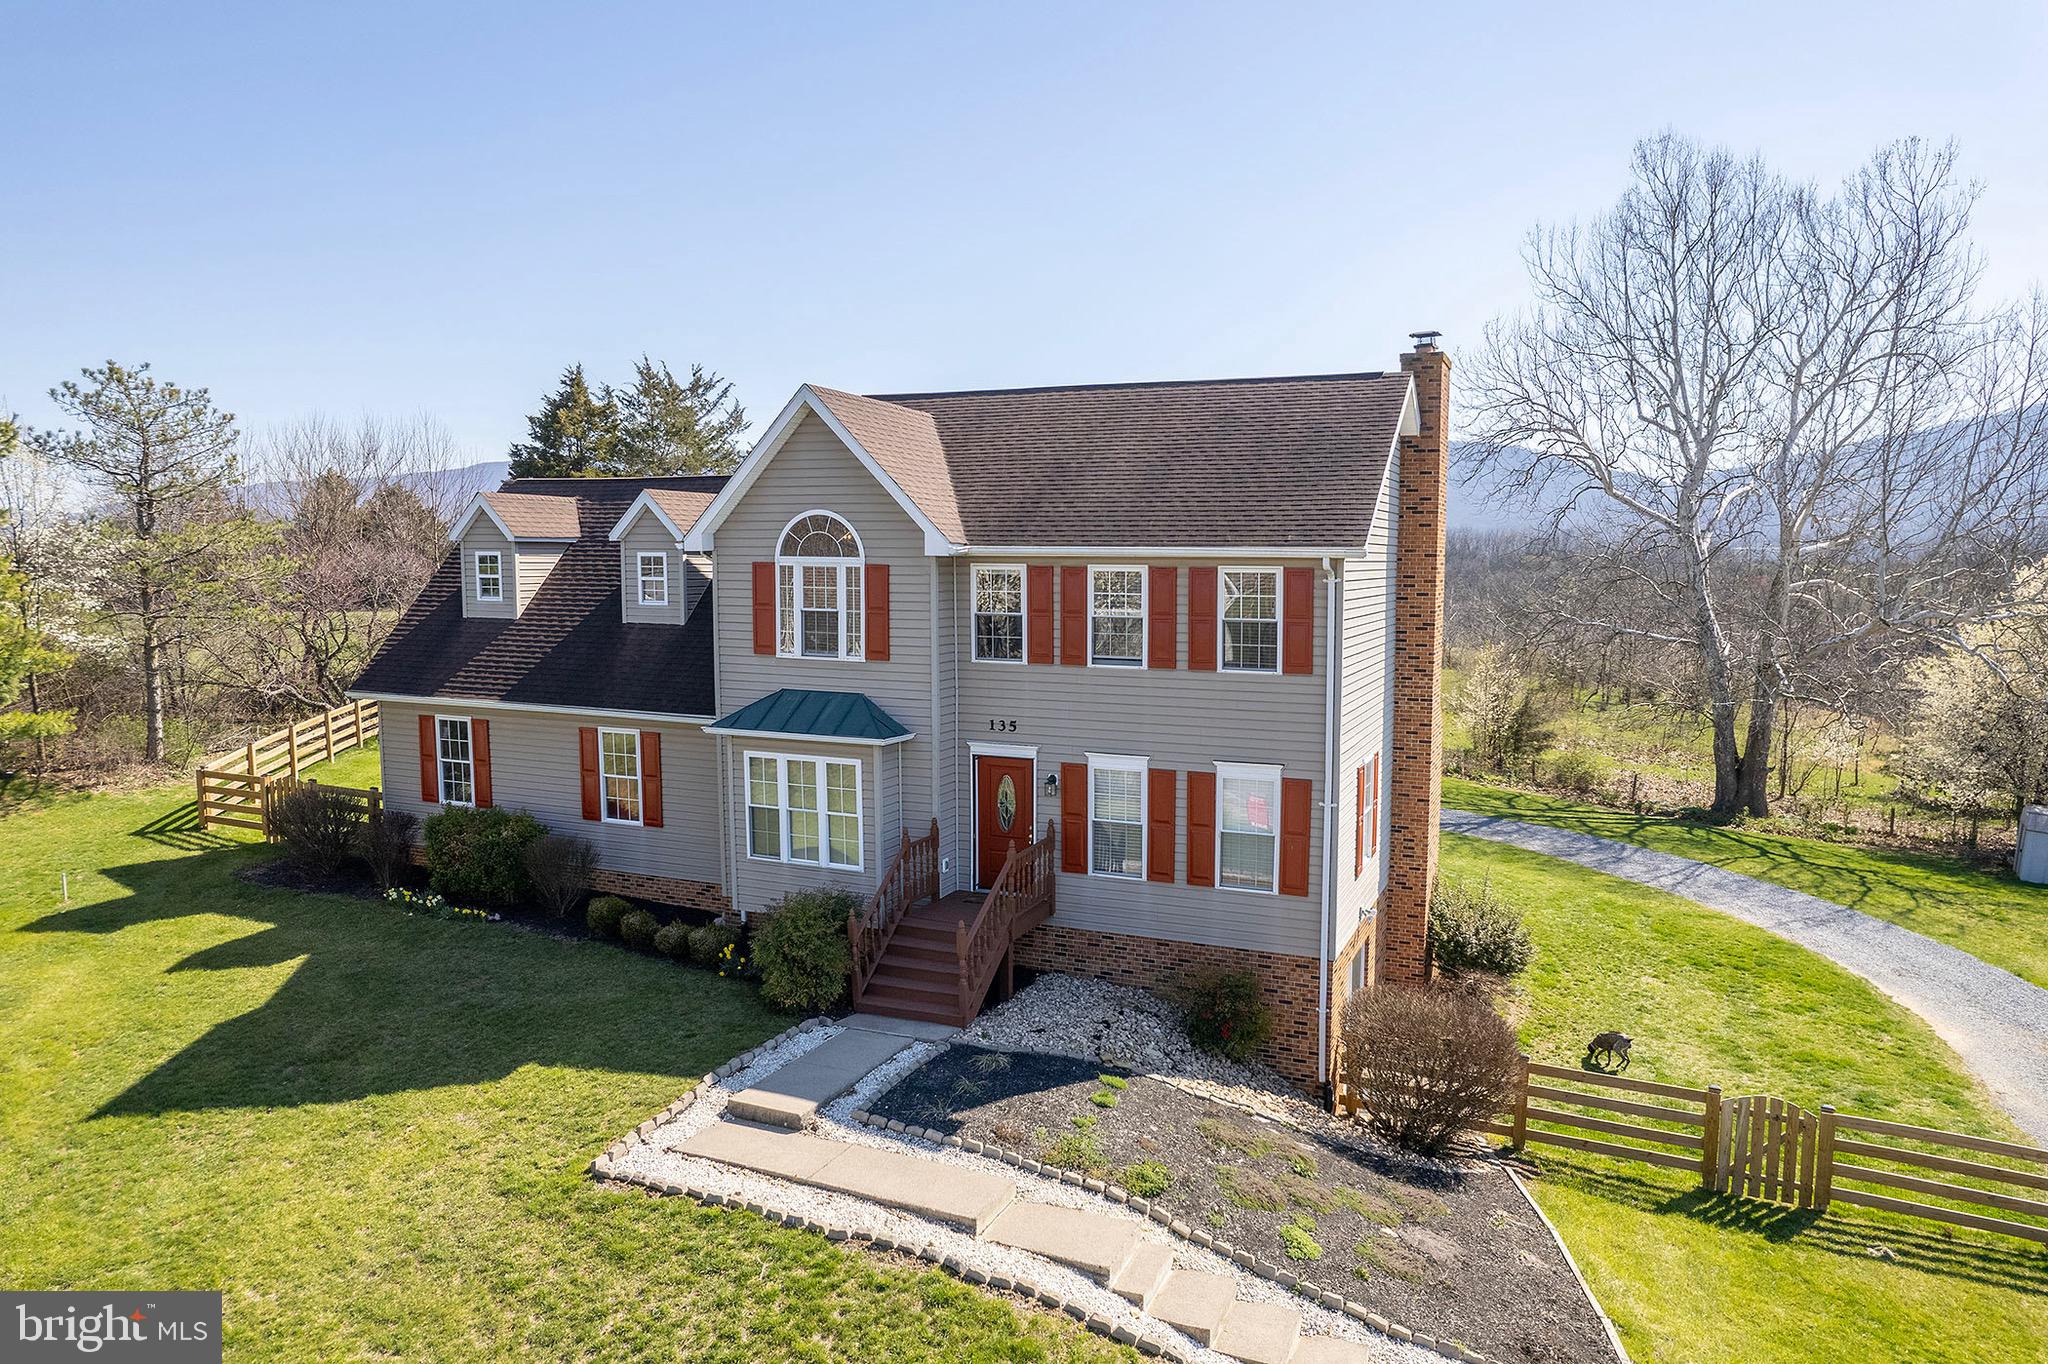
(1473, 930)
(1147, 1178)
(801, 950)
(480, 855)
(1300, 1242)
(1578, 772)
(1426, 1064)
(1078, 1151)
(604, 914)
(386, 844)
(637, 928)
(318, 829)
(1227, 1014)
(709, 941)
(673, 940)
(559, 868)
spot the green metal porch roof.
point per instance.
(846, 717)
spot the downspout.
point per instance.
(1333, 657)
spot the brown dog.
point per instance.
(1609, 1051)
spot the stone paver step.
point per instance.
(1330, 1350)
(1194, 1302)
(926, 1188)
(1096, 1244)
(792, 1095)
(1258, 1333)
(1143, 1275)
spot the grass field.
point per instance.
(370, 1130)
(1692, 1278)
(1991, 916)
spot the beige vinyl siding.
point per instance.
(649, 536)
(759, 883)
(536, 766)
(1177, 719)
(1365, 709)
(535, 563)
(483, 536)
(813, 471)
(696, 572)
(957, 861)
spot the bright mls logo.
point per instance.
(166, 1328)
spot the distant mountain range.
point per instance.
(444, 489)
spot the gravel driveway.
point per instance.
(1997, 1022)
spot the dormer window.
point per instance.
(653, 579)
(818, 589)
(490, 576)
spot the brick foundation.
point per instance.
(1161, 965)
(662, 890)
(1365, 938)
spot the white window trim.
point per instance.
(440, 768)
(640, 575)
(1023, 612)
(1144, 615)
(1266, 772)
(1121, 762)
(1279, 617)
(838, 567)
(782, 762)
(639, 779)
(476, 575)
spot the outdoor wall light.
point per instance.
(1052, 783)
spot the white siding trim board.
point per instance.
(525, 707)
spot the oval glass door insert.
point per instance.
(1006, 803)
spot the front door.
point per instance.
(1002, 812)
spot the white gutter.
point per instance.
(1227, 553)
(1332, 663)
(477, 703)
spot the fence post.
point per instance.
(375, 804)
(327, 732)
(291, 748)
(1824, 1160)
(1521, 1125)
(250, 757)
(1710, 1143)
(199, 804)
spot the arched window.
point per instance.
(818, 588)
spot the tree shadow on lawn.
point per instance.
(382, 1002)
(1928, 1247)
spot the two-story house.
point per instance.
(1179, 639)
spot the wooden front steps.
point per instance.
(918, 975)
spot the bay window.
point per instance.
(804, 810)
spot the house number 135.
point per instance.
(1003, 726)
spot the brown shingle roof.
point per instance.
(1281, 462)
(682, 505)
(569, 647)
(532, 516)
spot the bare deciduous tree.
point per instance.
(1811, 452)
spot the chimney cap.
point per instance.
(1424, 338)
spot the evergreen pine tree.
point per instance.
(677, 426)
(574, 435)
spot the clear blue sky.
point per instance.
(393, 208)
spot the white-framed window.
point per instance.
(618, 767)
(998, 613)
(818, 602)
(456, 760)
(1249, 620)
(1116, 617)
(653, 578)
(1116, 816)
(802, 809)
(490, 575)
(1248, 827)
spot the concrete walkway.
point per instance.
(1997, 1022)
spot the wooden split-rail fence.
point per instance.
(1763, 1147)
(237, 789)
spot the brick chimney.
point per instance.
(1416, 773)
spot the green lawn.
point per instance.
(370, 1130)
(1991, 916)
(1696, 1279)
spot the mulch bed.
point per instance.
(1451, 1250)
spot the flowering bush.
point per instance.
(731, 961)
(433, 906)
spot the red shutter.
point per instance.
(1038, 599)
(480, 761)
(1298, 623)
(1074, 817)
(430, 763)
(1201, 828)
(1160, 819)
(764, 608)
(650, 778)
(1294, 815)
(1373, 829)
(1163, 605)
(593, 802)
(1073, 614)
(1358, 843)
(875, 591)
(1202, 619)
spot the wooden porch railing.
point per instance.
(912, 877)
(1020, 900)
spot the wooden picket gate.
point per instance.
(1771, 1149)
